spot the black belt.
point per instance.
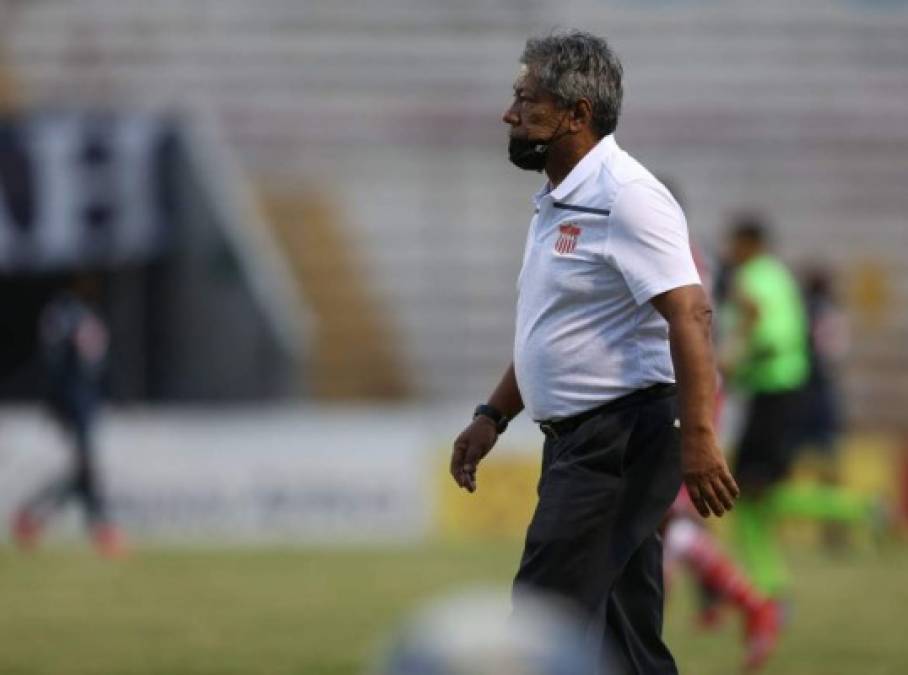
(558, 428)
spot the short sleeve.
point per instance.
(648, 242)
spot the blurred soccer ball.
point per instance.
(474, 633)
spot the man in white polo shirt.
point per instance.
(610, 314)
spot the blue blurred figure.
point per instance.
(74, 342)
(828, 344)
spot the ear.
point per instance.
(581, 116)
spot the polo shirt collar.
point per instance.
(541, 193)
(584, 168)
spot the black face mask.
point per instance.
(530, 155)
(527, 154)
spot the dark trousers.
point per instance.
(80, 481)
(603, 492)
(768, 444)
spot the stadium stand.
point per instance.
(390, 112)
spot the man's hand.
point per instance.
(709, 482)
(470, 447)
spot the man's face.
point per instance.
(534, 113)
(535, 118)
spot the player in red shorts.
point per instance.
(689, 543)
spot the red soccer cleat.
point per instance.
(26, 530)
(109, 541)
(761, 633)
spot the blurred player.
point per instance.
(822, 423)
(828, 341)
(765, 348)
(74, 342)
(690, 544)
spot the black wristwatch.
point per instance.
(494, 414)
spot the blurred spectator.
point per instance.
(73, 340)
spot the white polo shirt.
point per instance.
(600, 246)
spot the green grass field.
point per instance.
(277, 612)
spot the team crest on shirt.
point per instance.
(567, 238)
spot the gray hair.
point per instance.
(574, 65)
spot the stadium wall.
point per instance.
(313, 476)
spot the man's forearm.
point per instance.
(506, 397)
(695, 371)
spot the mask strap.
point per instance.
(542, 147)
